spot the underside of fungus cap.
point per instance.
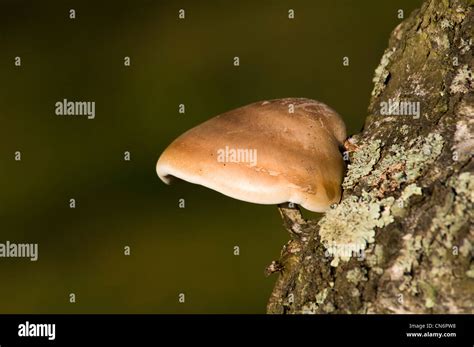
(269, 152)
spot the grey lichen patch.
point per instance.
(347, 229)
(381, 73)
(362, 163)
(462, 82)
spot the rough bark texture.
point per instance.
(401, 239)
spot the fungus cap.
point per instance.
(270, 152)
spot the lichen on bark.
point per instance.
(401, 238)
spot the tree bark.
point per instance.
(400, 240)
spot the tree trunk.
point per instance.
(400, 241)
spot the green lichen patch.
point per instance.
(403, 164)
(355, 276)
(362, 163)
(382, 73)
(328, 307)
(444, 241)
(350, 226)
(407, 193)
(463, 146)
(407, 259)
(410, 190)
(457, 211)
(321, 296)
(466, 248)
(320, 304)
(429, 294)
(451, 217)
(404, 129)
(462, 81)
(470, 272)
(465, 45)
(310, 308)
(399, 208)
(374, 256)
(419, 157)
(464, 187)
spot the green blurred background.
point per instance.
(123, 203)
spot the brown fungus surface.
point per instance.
(269, 152)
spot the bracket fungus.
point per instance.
(270, 152)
